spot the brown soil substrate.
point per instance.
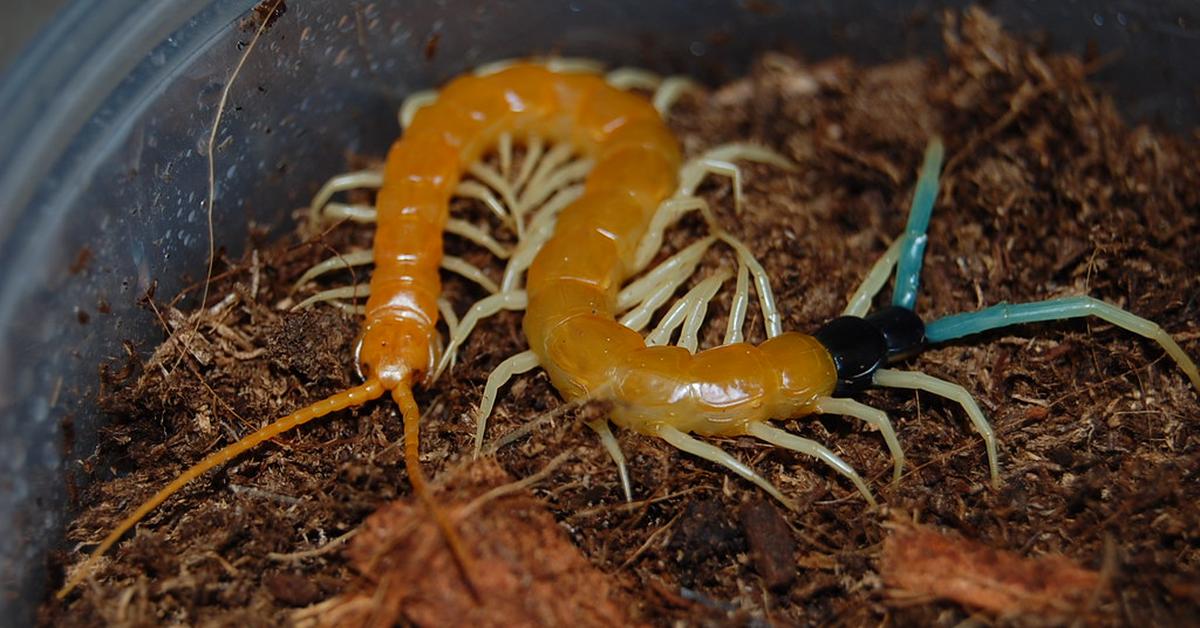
(1046, 193)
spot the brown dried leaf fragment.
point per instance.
(526, 570)
(920, 562)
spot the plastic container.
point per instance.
(106, 117)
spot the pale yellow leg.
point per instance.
(460, 267)
(414, 103)
(470, 232)
(600, 426)
(345, 260)
(483, 308)
(737, 309)
(515, 365)
(676, 268)
(871, 416)
(712, 453)
(670, 90)
(860, 303)
(633, 78)
(890, 378)
(679, 312)
(371, 179)
(780, 438)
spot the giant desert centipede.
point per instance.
(579, 244)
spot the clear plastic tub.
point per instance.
(106, 117)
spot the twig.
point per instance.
(317, 551)
(513, 487)
(524, 430)
(212, 148)
(650, 539)
(633, 505)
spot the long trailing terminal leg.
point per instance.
(909, 247)
(350, 398)
(412, 464)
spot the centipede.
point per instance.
(601, 181)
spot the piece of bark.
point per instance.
(772, 547)
(919, 561)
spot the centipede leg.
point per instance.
(451, 320)
(471, 233)
(737, 309)
(772, 321)
(540, 230)
(860, 303)
(908, 266)
(643, 296)
(371, 179)
(573, 65)
(628, 78)
(687, 312)
(719, 160)
(414, 103)
(479, 192)
(889, 378)
(600, 426)
(698, 310)
(712, 453)
(504, 147)
(482, 309)
(360, 213)
(469, 271)
(340, 262)
(547, 162)
(666, 214)
(670, 90)
(515, 365)
(780, 438)
(497, 182)
(541, 189)
(362, 258)
(871, 416)
(334, 296)
(535, 147)
(356, 396)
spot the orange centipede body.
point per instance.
(582, 319)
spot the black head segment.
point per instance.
(860, 346)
